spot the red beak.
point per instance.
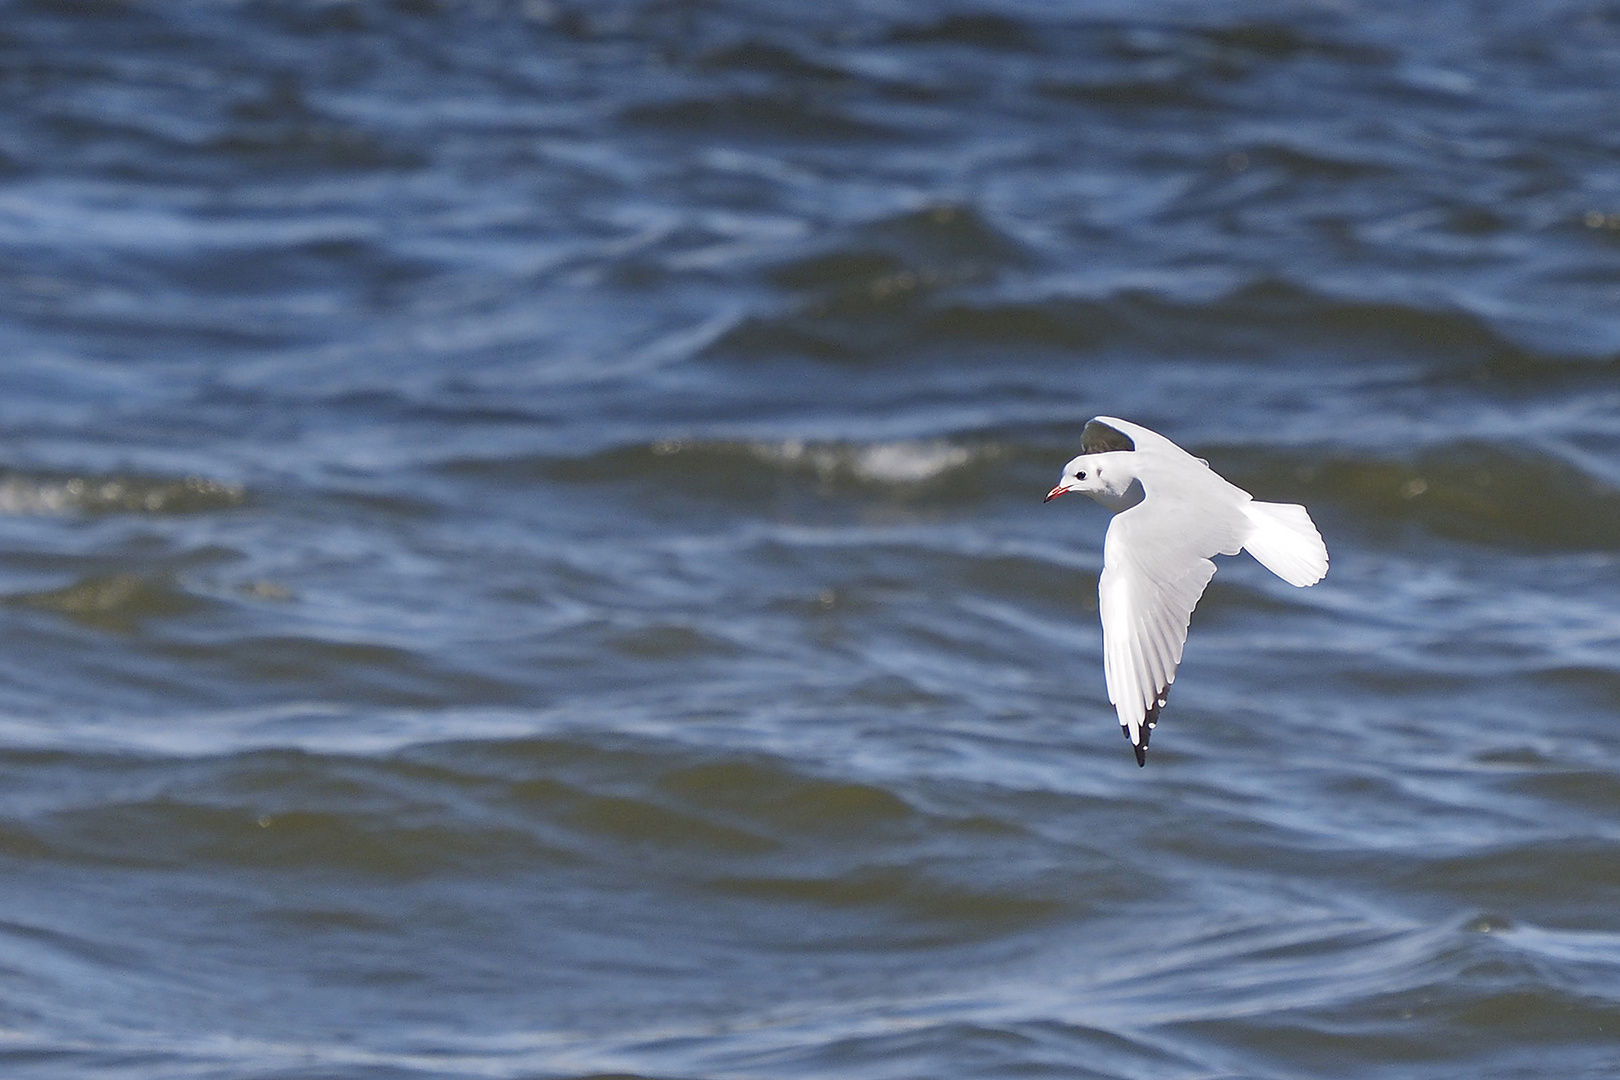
(1054, 493)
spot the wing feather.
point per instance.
(1156, 565)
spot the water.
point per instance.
(523, 555)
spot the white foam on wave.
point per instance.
(905, 462)
(23, 495)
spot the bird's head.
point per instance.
(1104, 477)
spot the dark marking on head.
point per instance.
(1099, 438)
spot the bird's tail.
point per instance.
(1286, 542)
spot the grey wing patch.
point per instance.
(1099, 438)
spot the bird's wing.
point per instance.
(1139, 438)
(1100, 438)
(1156, 563)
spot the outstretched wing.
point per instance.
(1156, 564)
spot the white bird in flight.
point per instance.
(1171, 513)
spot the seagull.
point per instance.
(1171, 513)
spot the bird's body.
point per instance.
(1172, 512)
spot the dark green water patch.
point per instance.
(786, 801)
(1515, 497)
(909, 893)
(117, 603)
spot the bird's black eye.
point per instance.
(1080, 476)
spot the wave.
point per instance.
(1469, 491)
(786, 115)
(772, 58)
(1167, 90)
(888, 266)
(1511, 497)
(26, 493)
(866, 302)
(914, 895)
(313, 146)
(115, 602)
(484, 806)
(895, 463)
(979, 30)
(753, 470)
(1541, 876)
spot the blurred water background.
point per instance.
(522, 551)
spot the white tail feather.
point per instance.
(1286, 542)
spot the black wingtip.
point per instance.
(1144, 730)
